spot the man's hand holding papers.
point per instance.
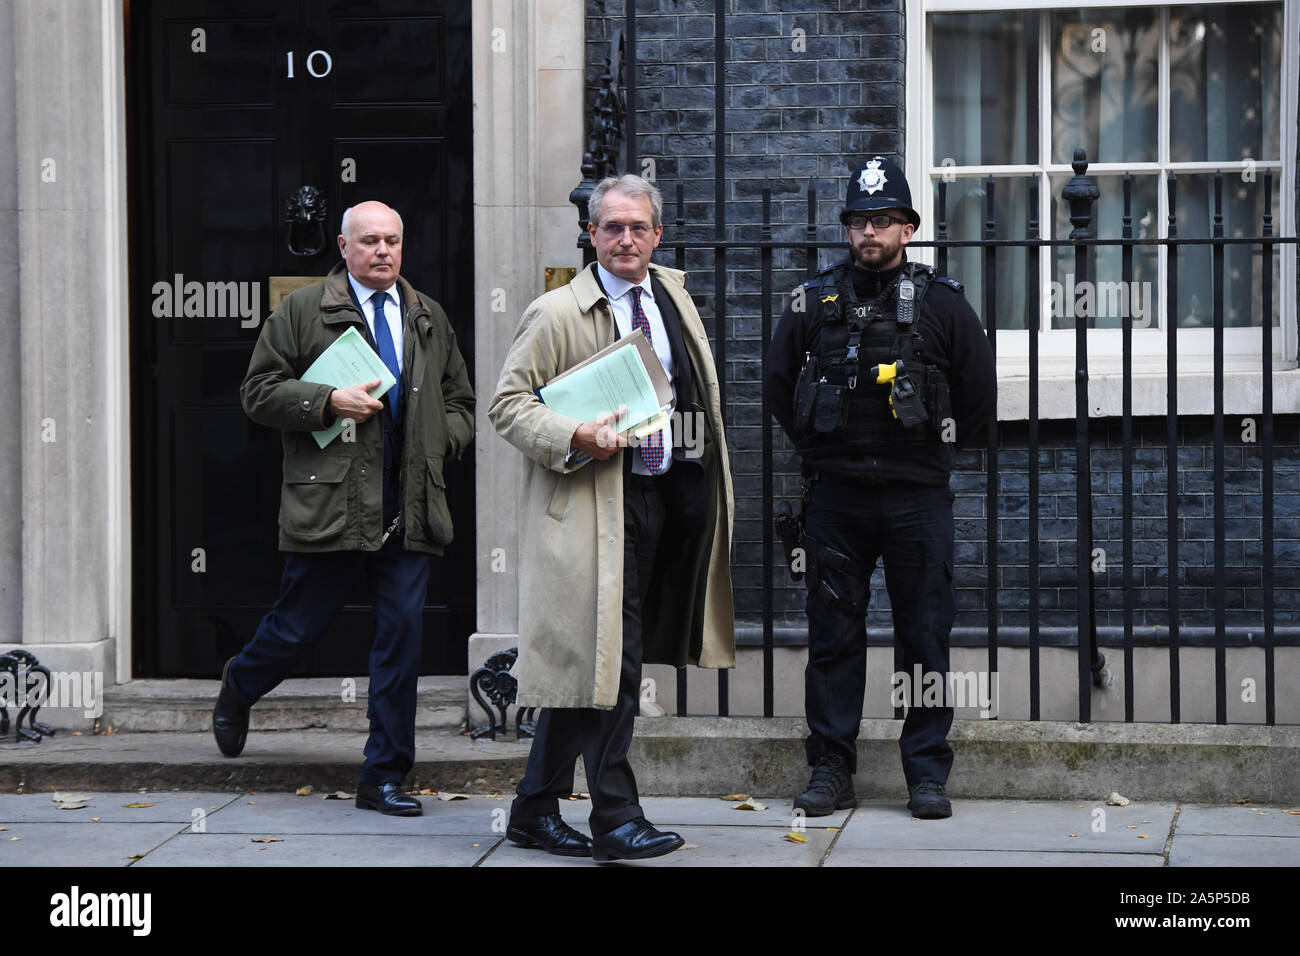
(598, 439)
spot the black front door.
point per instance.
(236, 105)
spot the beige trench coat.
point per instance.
(571, 520)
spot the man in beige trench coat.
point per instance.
(623, 558)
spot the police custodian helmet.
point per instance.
(879, 184)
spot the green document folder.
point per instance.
(625, 373)
(348, 361)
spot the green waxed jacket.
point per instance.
(331, 499)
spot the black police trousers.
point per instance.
(911, 528)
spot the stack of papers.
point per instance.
(627, 375)
(347, 362)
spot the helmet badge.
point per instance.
(873, 177)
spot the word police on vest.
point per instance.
(31, 688)
(75, 908)
(208, 300)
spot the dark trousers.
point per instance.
(911, 528)
(313, 589)
(603, 737)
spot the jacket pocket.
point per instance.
(314, 498)
(558, 504)
(437, 516)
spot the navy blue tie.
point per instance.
(387, 350)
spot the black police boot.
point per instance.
(929, 802)
(830, 789)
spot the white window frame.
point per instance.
(1057, 346)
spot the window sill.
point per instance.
(1242, 392)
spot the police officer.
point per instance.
(878, 371)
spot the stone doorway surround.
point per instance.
(65, 515)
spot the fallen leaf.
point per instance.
(76, 733)
(750, 804)
(453, 796)
(1073, 835)
(1117, 800)
(14, 839)
(1291, 811)
(690, 846)
(136, 856)
(1146, 821)
(735, 796)
(251, 793)
(427, 792)
(1130, 827)
(136, 806)
(111, 730)
(1143, 836)
(267, 839)
(473, 844)
(793, 837)
(305, 791)
(579, 796)
(338, 795)
(92, 820)
(2, 829)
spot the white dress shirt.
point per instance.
(620, 300)
(392, 312)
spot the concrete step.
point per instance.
(701, 756)
(185, 706)
(285, 760)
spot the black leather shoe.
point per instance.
(929, 802)
(634, 840)
(549, 833)
(829, 789)
(387, 798)
(229, 718)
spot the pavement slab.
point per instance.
(1007, 858)
(1065, 826)
(80, 844)
(672, 812)
(282, 814)
(1249, 820)
(153, 807)
(1233, 850)
(731, 846)
(317, 849)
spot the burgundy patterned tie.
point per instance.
(652, 446)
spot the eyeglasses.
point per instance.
(614, 230)
(878, 221)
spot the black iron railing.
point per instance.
(1080, 193)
